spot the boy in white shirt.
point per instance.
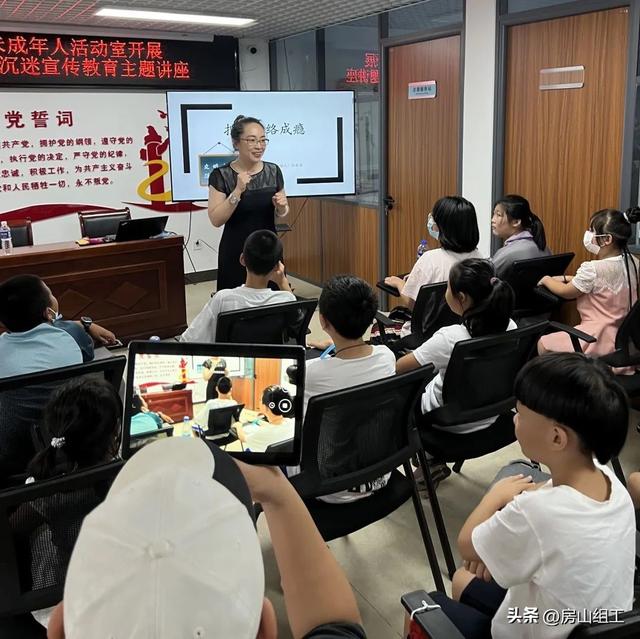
(261, 256)
(347, 307)
(567, 545)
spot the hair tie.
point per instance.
(494, 280)
(58, 442)
(626, 217)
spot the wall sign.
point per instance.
(367, 74)
(27, 59)
(422, 90)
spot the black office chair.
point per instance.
(21, 232)
(270, 324)
(478, 385)
(22, 399)
(532, 301)
(355, 436)
(430, 313)
(39, 525)
(101, 223)
(220, 422)
(438, 626)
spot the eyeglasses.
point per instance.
(255, 141)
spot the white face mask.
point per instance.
(54, 316)
(431, 227)
(590, 244)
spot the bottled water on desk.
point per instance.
(186, 431)
(6, 245)
(423, 247)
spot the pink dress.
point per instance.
(602, 307)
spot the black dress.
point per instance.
(254, 211)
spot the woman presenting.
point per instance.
(245, 195)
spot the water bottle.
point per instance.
(5, 238)
(423, 247)
(186, 431)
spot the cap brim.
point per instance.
(201, 457)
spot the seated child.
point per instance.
(277, 426)
(144, 420)
(605, 288)
(261, 257)
(347, 307)
(485, 304)
(224, 398)
(567, 544)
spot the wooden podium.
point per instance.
(135, 289)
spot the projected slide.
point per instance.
(310, 133)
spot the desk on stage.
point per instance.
(135, 289)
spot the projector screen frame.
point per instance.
(186, 160)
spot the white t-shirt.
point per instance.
(265, 434)
(203, 416)
(437, 351)
(432, 267)
(328, 375)
(203, 327)
(557, 549)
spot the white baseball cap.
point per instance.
(171, 553)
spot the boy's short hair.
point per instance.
(224, 385)
(262, 251)
(24, 300)
(581, 393)
(349, 304)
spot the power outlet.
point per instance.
(197, 246)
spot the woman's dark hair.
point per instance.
(237, 128)
(581, 393)
(136, 405)
(517, 208)
(85, 414)
(492, 297)
(278, 400)
(618, 225)
(224, 385)
(457, 222)
(349, 304)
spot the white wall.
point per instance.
(254, 65)
(477, 127)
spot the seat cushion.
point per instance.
(453, 447)
(338, 520)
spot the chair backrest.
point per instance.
(479, 379)
(431, 311)
(39, 525)
(356, 435)
(628, 336)
(626, 625)
(221, 419)
(270, 324)
(23, 398)
(101, 223)
(21, 232)
(524, 275)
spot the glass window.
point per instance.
(352, 61)
(424, 15)
(297, 63)
(515, 6)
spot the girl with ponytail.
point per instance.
(485, 303)
(605, 287)
(82, 420)
(520, 229)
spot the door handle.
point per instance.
(389, 203)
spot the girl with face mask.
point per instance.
(605, 287)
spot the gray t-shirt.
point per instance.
(518, 247)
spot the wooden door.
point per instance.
(422, 142)
(563, 147)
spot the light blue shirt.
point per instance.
(42, 348)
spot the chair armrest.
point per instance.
(574, 334)
(619, 359)
(383, 320)
(434, 622)
(392, 290)
(548, 296)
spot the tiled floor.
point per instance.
(388, 558)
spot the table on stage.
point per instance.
(135, 289)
